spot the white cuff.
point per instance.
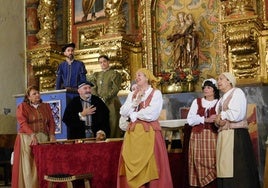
(133, 116)
(82, 118)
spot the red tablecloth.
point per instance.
(100, 159)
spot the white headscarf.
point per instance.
(213, 81)
(230, 77)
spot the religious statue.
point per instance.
(184, 40)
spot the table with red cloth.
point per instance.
(100, 159)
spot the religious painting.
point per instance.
(55, 106)
(88, 10)
(204, 14)
(62, 21)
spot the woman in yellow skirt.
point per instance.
(143, 161)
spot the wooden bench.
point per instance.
(68, 179)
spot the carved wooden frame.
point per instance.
(75, 29)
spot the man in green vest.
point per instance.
(107, 85)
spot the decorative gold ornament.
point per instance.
(47, 17)
(45, 61)
(117, 20)
(171, 88)
(243, 37)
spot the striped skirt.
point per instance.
(202, 158)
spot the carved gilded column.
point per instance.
(146, 26)
(44, 57)
(242, 35)
(117, 20)
(47, 17)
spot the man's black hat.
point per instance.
(85, 83)
(68, 45)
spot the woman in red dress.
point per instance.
(36, 124)
(143, 161)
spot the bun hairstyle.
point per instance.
(212, 83)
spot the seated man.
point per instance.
(86, 116)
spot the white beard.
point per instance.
(88, 95)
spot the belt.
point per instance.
(199, 128)
(71, 89)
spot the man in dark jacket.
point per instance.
(86, 116)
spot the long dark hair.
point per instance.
(27, 93)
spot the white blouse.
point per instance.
(195, 119)
(237, 108)
(150, 113)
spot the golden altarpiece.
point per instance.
(232, 36)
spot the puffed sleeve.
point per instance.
(237, 107)
(193, 118)
(22, 118)
(127, 108)
(115, 81)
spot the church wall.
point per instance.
(12, 53)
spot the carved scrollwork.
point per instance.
(45, 62)
(242, 42)
(240, 7)
(234, 8)
(111, 48)
(87, 35)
